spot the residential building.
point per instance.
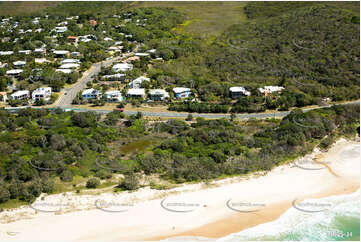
(137, 83)
(115, 77)
(66, 71)
(181, 92)
(141, 54)
(3, 97)
(136, 93)
(122, 67)
(6, 52)
(266, 90)
(41, 93)
(19, 63)
(20, 95)
(14, 72)
(237, 92)
(61, 29)
(114, 96)
(61, 53)
(40, 51)
(73, 39)
(41, 60)
(91, 94)
(158, 94)
(25, 52)
(69, 66)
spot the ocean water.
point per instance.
(340, 222)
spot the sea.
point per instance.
(339, 222)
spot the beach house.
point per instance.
(91, 94)
(237, 92)
(114, 96)
(266, 90)
(181, 92)
(43, 93)
(20, 95)
(158, 94)
(136, 93)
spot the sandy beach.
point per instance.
(214, 210)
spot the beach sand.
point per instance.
(225, 207)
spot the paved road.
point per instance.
(184, 115)
(65, 101)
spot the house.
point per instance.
(25, 52)
(14, 72)
(75, 54)
(65, 71)
(69, 66)
(91, 94)
(136, 93)
(136, 83)
(41, 60)
(108, 39)
(266, 90)
(237, 92)
(40, 51)
(73, 39)
(122, 67)
(115, 77)
(114, 96)
(158, 94)
(181, 92)
(43, 93)
(6, 52)
(69, 61)
(61, 53)
(20, 95)
(19, 63)
(141, 54)
(132, 58)
(61, 29)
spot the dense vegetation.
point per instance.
(39, 145)
(310, 49)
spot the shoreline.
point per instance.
(212, 218)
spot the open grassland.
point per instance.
(24, 8)
(203, 18)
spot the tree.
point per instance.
(130, 182)
(189, 117)
(93, 183)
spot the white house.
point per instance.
(115, 77)
(41, 93)
(136, 93)
(6, 52)
(19, 95)
(158, 94)
(14, 72)
(60, 53)
(40, 51)
(270, 89)
(25, 52)
(68, 61)
(181, 92)
(69, 66)
(136, 83)
(237, 92)
(61, 29)
(19, 63)
(91, 94)
(141, 54)
(66, 71)
(122, 67)
(114, 96)
(41, 60)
